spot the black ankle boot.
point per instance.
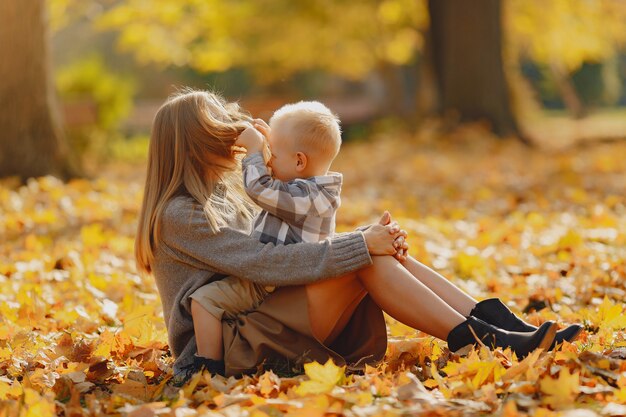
(495, 312)
(199, 363)
(521, 343)
(213, 366)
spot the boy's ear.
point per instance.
(301, 161)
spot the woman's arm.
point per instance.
(186, 235)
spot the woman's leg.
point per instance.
(407, 299)
(493, 310)
(393, 288)
(447, 291)
(332, 303)
(411, 302)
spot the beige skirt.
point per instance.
(277, 333)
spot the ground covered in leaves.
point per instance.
(81, 333)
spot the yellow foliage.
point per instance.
(562, 391)
(570, 240)
(566, 32)
(608, 315)
(322, 378)
(470, 265)
(82, 333)
(349, 38)
(36, 405)
(9, 390)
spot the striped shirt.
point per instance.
(300, 210)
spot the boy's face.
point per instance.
(283, 161)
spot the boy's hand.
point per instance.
(261, 126)
(251, 139)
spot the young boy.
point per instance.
(299, 201)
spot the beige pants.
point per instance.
(228, 297)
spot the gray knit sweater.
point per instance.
(189, 256)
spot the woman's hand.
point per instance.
(400, 243)
(381, 239)
(402, 248)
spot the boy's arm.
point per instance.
(291, 201)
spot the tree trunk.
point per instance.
(427, 92)
(395, 103)
(31, 141)
(467, 58)
(563, 81)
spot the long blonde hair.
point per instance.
(191, 152)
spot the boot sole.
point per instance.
(548, 338)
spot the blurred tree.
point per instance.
(564, 34)
(467, 57)
(101, 96)
(32, 141)
(275, 39)
(91, 78)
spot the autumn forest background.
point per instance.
(493, 130)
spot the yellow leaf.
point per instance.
(510, 409)
(561, 392)
(486, 371)
(36, 405)
(470, 265)
(93, 235)
(528, 362)
(139, 325)
(5, 354)
(9, 390)
(42, 378)
(360, 398)
(268, 383)
(322, 378)
(620, 395)
(611, 314)
(134, 389)
(105, 344)
(571, 239)
(431, 383)
(441, 383)
(317, 406)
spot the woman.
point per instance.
(193, 229)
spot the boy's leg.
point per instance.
(208, 330)
(220, 299)
(446, 290)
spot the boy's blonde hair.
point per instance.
(191, 153)
(312, 126)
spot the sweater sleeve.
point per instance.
(186, 235)
(291, 201)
